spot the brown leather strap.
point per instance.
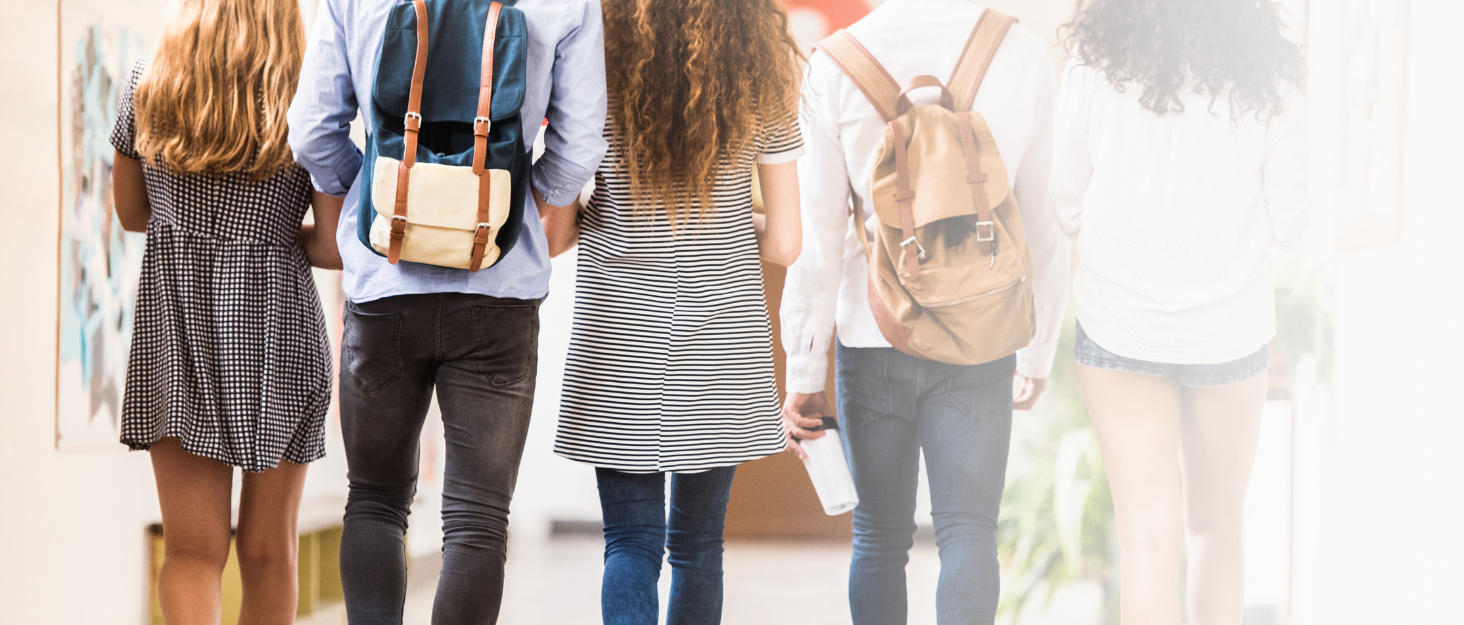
(981, 48)
(985, 229)
(482, 125)
(878, 86)
(921, 82)
(412, 124)
(905, 199)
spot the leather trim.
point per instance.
(905, 199)
(872, 79)
(412, 125)
(977, 179)
(976, 58)
(481, 129)
(902, 105)
(893, 331)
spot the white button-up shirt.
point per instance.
(828, 286)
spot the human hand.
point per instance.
(1027, 395)
(799, 413)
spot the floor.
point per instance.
(557, 582)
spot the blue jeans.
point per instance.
(893, 406)
(637, 536)
(1090, 354)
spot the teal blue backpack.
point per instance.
(446, 171)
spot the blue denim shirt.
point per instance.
(566, 85)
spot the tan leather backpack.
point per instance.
(950, 278)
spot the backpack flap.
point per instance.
(938, 169)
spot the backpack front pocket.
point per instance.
(444, 212)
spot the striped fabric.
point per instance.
(670, 362)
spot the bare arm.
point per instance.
(129, 194)
(561, 224)
(780, 228)
(319, 238)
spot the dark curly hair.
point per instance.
(1234, 49)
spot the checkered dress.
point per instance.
(229, 347)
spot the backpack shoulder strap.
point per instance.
(990, 30)
(866, 72)
(482, 128)
(412, 124)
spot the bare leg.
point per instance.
(1137, 420)
(1220, 428)
(194, 494)
(268, 544)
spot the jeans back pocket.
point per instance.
(507, 337)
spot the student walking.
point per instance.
(466, 330)
(894, 405)
(670, 368)
(1182, 154)
(230, 364)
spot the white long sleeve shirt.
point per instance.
(1173, 216)
(828, 285)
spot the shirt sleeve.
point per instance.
(1284, 176)
(325, 104)
(811, 290)
(780, 141)
(124, 131)
(1072, 162)
(574, 142)
(1051, 271)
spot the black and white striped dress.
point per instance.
(229, 348)
(670, 362)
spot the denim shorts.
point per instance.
(1090, 354)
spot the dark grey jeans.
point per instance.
(479, 353)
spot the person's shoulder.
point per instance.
(1023, 43)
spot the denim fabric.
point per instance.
(637, 534)
(893, 407)
(1090, 354)
(479, 353)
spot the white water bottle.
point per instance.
(829, 471)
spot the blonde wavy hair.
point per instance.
(215, 93)
(692, 83)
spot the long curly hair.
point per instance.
(691, 84)
(215, 93)
(1232, 49)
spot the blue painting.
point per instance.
(99, 261)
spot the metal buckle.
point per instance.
(987, 239)
(487, 125)
(407, 121)
(918, 248)
(482, 225)
(401, 217)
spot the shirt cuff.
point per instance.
(559, 187)
(781, 157)
(807, 373)
(1035, 361)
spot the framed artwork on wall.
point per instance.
(1373, 120)
(99, 261)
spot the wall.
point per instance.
(72, 524)
(68, 521)
(1379, 538)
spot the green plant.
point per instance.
(1056, 526)
(1304, 299)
